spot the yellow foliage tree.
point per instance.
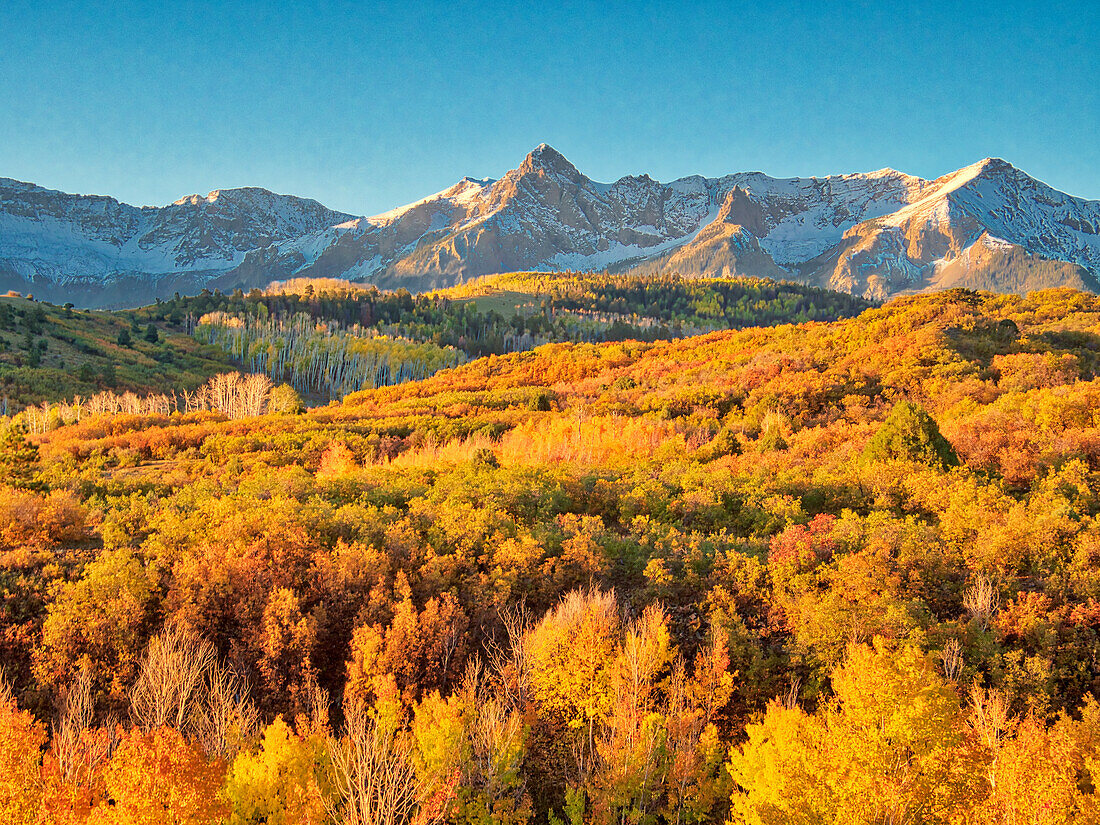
(631, 745)
(889, 748)
(1038, 774)
(695, 779)
(279, 784)
(570, 653)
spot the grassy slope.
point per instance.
(82, 355)
(505, 302)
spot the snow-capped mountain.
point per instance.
(988, 225)
(96, 251)
(547, 215)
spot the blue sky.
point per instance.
(367, 106)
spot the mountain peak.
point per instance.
(545, 158)
(986, 165)
(871, 233)
(982, 170)
(739, 209)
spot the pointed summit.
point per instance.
(741, 210)
(545, 158)
(876, 234)
(986, 165)
(985, 169)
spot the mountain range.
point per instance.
(877, 234)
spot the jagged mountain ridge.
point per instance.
(988, 225)
(67, 247)
(961, 231)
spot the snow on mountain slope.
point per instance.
(988, 201)
(56, 244)
(545, 214)
(875, 234)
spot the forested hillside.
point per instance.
(519, 311)
(326, 338)
(49, 353)
(843, 572)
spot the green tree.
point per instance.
(86, 373)
(18, 459)
(911, 434)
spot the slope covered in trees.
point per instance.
(838, 572)
(327, 338)
(50, 353)
(323, 359)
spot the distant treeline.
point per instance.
(563, 307)
(732, 303)
(320, 358)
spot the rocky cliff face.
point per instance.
(726, 247)
(874, 234)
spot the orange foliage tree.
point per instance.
(158, 778)
(21, 743)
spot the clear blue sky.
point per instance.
(367, 106)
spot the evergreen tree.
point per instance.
(18, 460)
(911, 434)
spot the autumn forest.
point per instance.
(561, 550)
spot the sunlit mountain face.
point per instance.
(876, 234)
